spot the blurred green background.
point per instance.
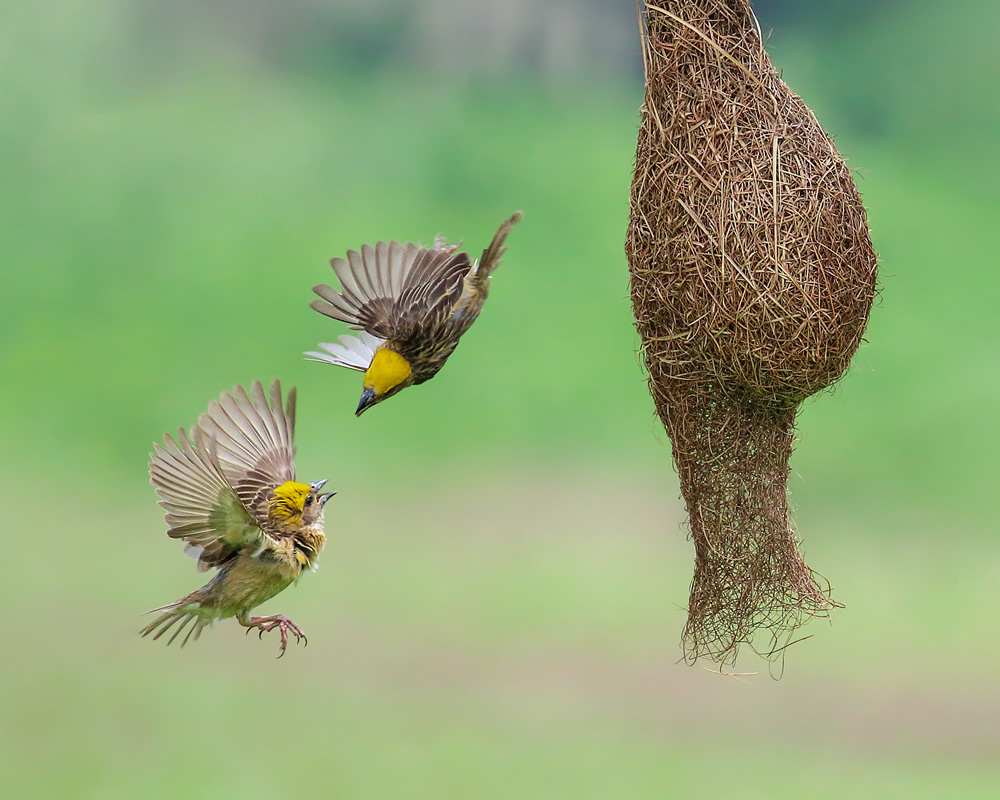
(499, 606)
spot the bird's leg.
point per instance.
(279, 621)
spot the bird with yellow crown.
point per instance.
(411, 305)
(229, 491)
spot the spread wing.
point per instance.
(254, 442)
(392, 290)
(201, 506)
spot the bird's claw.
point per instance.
(283, 624)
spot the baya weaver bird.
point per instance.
(230, 493)
(411, 304)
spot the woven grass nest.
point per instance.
(752, 275)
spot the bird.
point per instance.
(411, 305)
(228, 489)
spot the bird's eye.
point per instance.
(309, 500)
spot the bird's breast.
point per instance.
(307, 546)
(250, 581)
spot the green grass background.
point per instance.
(499, 606)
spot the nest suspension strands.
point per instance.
(752, 275)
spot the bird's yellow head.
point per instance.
(297, 502)
(387, 374)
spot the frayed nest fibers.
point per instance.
(752, 275)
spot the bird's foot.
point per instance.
(283, 624)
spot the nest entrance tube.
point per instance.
(752, 276)
(733, 462)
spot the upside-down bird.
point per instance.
(411, 304)
(229, 491)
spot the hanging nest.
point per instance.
(752, 275)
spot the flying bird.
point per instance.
(411, 305)
(229, 491)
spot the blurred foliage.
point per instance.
(162, 229)
(498, 608)
(833, 18)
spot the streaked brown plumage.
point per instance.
(412, 305)
(229, 491)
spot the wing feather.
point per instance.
(334, 305)
(398, 256)
(353, 352)
(350, 285)
(391, 290)
(199, 504)
(223, 427)
(254, 437)
(240, 430)
(274, 427)
(383, 266)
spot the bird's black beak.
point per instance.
(318, 485)
(324, 497)
(366, 402)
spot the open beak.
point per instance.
(323, 497)
(366, 402)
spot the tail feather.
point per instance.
(184, 612)
(492, 254)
